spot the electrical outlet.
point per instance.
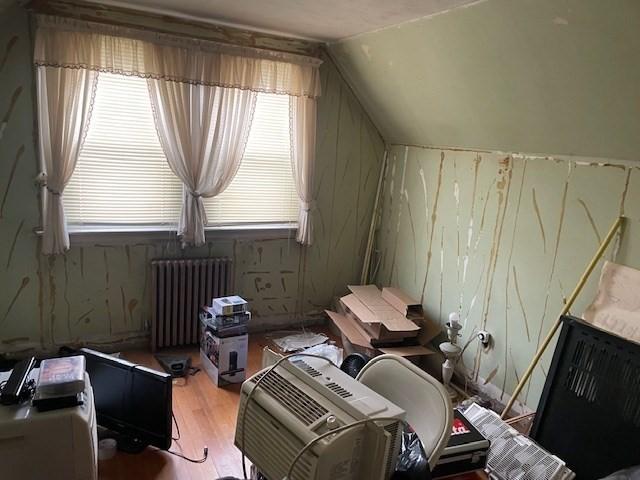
(484, 337)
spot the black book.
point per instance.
(465, 452)
(463, 432)
(54, 403)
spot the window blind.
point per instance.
(122, 176)
(263, 190)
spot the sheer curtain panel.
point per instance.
(203, 131)
(203, 93)
(65, 98)
(303, 152)
(74, 43)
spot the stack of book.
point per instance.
(226, 316)
(61, 383)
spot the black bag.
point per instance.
(412, 463)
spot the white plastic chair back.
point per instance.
(422, 397)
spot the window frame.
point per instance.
(163, 233)
(120, 234)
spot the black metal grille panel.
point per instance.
(589, 412)
(599, 375)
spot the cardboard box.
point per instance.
(224, 359)
(385, 324)
(360, 340)
(389, 314)
(229, 305)
(402, 302)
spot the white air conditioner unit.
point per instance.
(304, 398)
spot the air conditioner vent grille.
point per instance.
(337, 389)
(304, 366)
(301, 405)
(273, 448)
(393, 430)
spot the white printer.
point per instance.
(57, 445)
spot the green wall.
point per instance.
(99, 292)
(541, 76)
(502, 239)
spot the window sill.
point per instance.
(125, 235)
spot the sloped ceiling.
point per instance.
(536, 76)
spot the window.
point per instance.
(122, 177)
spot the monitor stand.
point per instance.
(132, 445)
(126, 443)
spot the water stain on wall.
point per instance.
(486, 222)
(99, 292)
(7, 50)
(10, 179)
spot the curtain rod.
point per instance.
(170, 25)
(61, 23)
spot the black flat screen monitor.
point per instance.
(132, 400)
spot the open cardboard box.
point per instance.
(368, 314)
(361, 340)
(390, 315)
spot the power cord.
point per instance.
(335, 431)
(310, 444)
(473, 337)
(28, 389)
(205, 450)
(205, 455)
(173, 416)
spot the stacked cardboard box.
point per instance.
(224, 339)
(388, 321)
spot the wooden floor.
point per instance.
(206, 415)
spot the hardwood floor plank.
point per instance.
(205, 414)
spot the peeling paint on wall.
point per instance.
(98, 293)
(479, 223)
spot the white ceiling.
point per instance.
(326, 20)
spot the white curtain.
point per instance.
(108, 48)
(203, 93)
(65, 97)
(203, 131)
(303, 152)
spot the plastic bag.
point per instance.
(299, 341)
(412, 463)
(632, 473)
(326, 350)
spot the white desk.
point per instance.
(55, 445)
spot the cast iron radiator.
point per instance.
(179, 288)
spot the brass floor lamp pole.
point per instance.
(585, 276)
